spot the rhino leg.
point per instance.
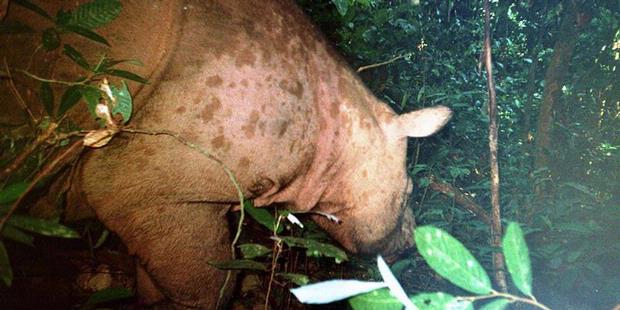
(173, 245)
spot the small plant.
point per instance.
(449, 258)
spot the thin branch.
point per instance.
(40, 79)
(461, 198)
(21, 158)
(496, 227)
(362, 68)
(20, 100)
(77, 145)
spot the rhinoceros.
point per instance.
(257, 85)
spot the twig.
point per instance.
(461, 199)
(40, 79)
(512, 298)
(232, 178)
(21, 158)
(77, 145)
(362, 68)
(20, 100)
(496, 223)
(274, 260)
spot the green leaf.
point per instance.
(47, 97)
(76, 56)
(92, 95)
(50, 39)
(252, 250)
(262, 216)
(12, 192)
(124, 103)
(239, 264)
(33, 7)
(108, 295)
(127, 75)
(96, 13)
(342, 6)
(449, 258)
(102, 238)
(380, 299)
(17, 235)
(518, 258)
(41, 226)
(296, 278)
(497, 304)
(317, 249)
(6, 272)
(87, 33)
(71, 96)
(439, 301)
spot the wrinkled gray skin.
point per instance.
(256, 85)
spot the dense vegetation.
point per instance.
(557, 79)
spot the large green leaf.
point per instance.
(298, 279)
(76, 56)
(87, 33)
(6, 272)
(12, 233)
(127, 75)
(96, 13)
(262, 216)
(12, 192)
(518, 258)
(449, 258)
(71, 96)
(41, 226)
(342, 6)
(380, 299)
(124, 103)
(107, 295)
(252, 250)
(91, 95)
(33, 7)
(317, 249)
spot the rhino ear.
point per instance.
(421, 123)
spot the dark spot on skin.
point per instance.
(214, 81)
(268, 78)
(209, 110)
(232, 85)
(296, 90)
(180, 110)
(245, 57)
(245, 83)
(197, 100)
(250, 127)
(283, 127)
(333, 109)
(218, 142)
(244, 163)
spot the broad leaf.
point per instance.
(449, 258)
(71, 96)
(96, 13)
(12, 192)
(252, 250)
(92, 96)
(33, 7)
(87, 33)
(127, 75)
(12, 233)
(333, 290)
(76, 56)
(438, 301)
(380, 299)
(298, 279)
(6, 272)
(124, 103)
(239, 264)
(41, 226)
(317, 249)
(262, 216)
(46, 94)
(108, 295)
(518, 258)
(342, 6)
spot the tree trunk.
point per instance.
(556, 73)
